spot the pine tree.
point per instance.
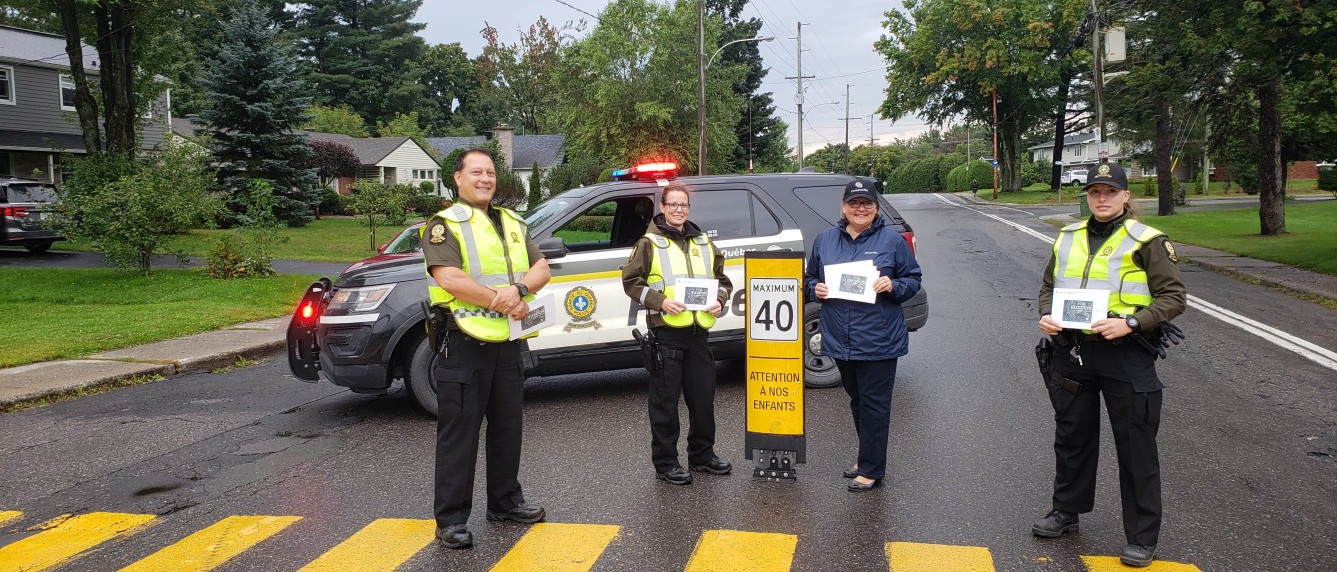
(761, 135)
(257, 108)
(535, 186)
(365, 55)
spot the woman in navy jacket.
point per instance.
(865, 340)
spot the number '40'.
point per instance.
(783, 319)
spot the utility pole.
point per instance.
(1099, 74)
(701, 86)
(798, 92)
(847, 129)
(995, 143)
(872, 143)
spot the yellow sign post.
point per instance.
(774, 405)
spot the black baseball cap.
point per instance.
(859, 190)
(1107, 174)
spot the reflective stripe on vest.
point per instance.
(1112, 268)
(488, 260)
(666, 263)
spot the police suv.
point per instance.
(367, 327)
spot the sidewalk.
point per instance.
(191, 353)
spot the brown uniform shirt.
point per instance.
(1157, 257)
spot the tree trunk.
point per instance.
(118, 72)
(1060, 129)
(1271, 195)
(1165, 190)
(84, 104)
(1009, 150)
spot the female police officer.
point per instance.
(672, 248)
(1138, 266)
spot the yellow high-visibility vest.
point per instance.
(487, 258)
(1109, 268)
(668, 263)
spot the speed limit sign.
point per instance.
(775, 437)
(773, 309)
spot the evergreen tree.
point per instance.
(761, 135)
(257, 108)
(365, 55)
(535, 186)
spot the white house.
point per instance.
(521, 151)
(389, 160)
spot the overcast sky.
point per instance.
(838, 38)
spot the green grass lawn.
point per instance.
(1310, 242)
(1039, 193)
(324, 240)
(59, 313)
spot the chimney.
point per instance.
(505, 136)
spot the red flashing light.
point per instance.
(20, 212)
(655, 167)
(308, 310)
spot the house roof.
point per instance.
(34, 140)
(40, 49)
(369, 150)
(1070, 139)
(546, 150)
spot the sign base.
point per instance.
(772, 465)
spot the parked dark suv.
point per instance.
(24, 204)
(366, 328)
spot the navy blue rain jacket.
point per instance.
(855, 331)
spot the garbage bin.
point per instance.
(1083, 208)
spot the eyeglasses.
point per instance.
(860, 205)
(676, 206)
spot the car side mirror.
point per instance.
(553, 247)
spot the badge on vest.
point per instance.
(438, 234)
(515, 238)
(1107, 251)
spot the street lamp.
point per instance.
(702, 65)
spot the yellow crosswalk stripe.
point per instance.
(558, 548)
(382, 545)
(214, 545)
(8, 515)
(739, 551)
(1112, 564)
(917, 557)
(67, 540)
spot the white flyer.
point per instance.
(542, 313)
(1079, 308)
(852, 281)
(696, 293)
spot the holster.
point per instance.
(1044, 357)
(438, 320)
(650, 354)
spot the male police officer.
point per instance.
(484, 267)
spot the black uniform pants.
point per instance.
(475, 380)
(692, 375)
(869, 385)
(1135, 418)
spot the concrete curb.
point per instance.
(197, 352)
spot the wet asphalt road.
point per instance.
(1248, 445)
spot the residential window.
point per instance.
(424, 174)
(66, 92)
(7, 85)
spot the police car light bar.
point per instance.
(645, 171)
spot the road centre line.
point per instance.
(1304, 348)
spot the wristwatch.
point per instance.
(524, 290)
(1132, 323)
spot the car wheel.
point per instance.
(418, 377)
(38, 248)
(818, 370)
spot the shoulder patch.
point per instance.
(457, 213)
(437, 234)
(1170, 249)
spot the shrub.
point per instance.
(960, 177)
(597, 223)
(1327, 179)
(425, 205)
(243, 254)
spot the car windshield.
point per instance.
(31, 193)
(545, 211)
(407, 241)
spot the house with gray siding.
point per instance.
(38, 122)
